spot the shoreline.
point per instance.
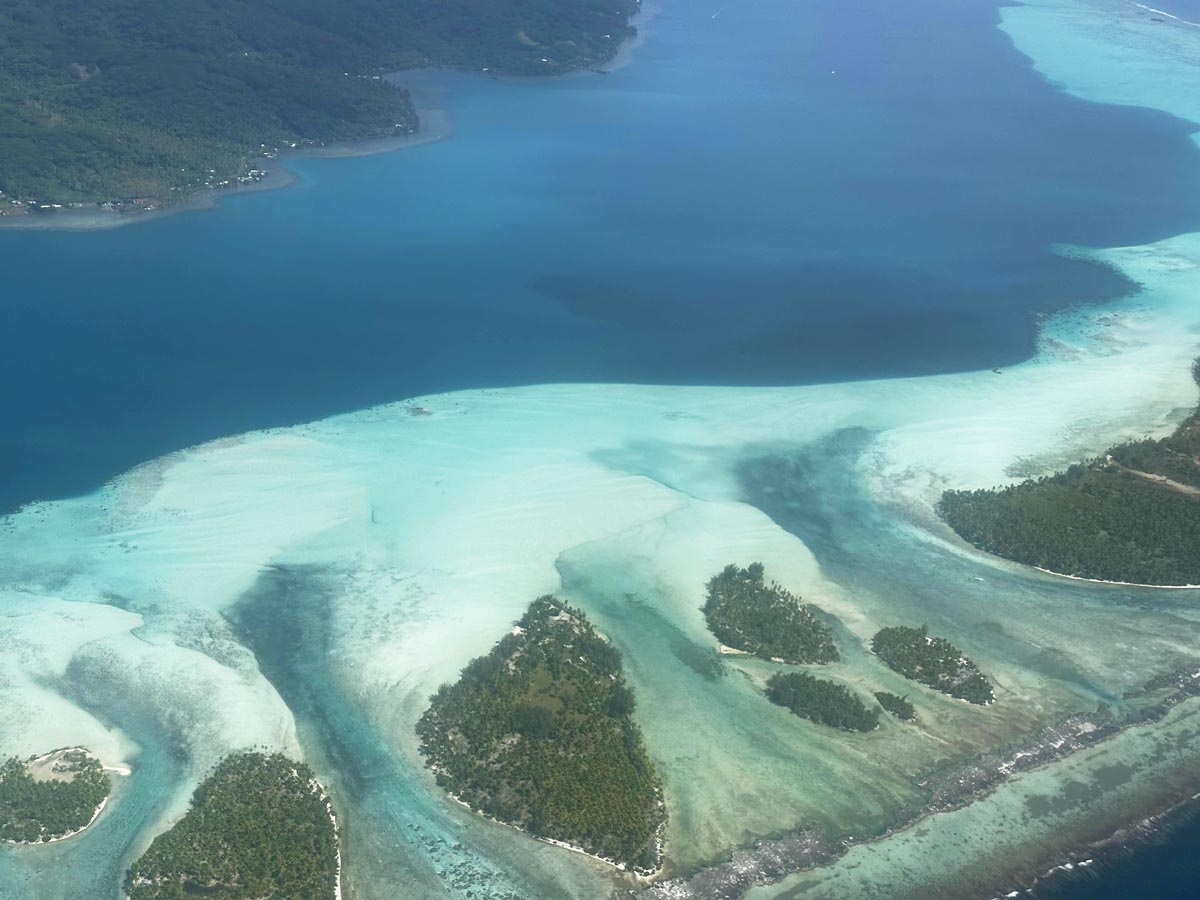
(278, 177)
(1160, 587)
(121, 770)
(40, 842)
(648, 11)
(644, 877)
(319, 789)
(323, 795)
(953, 538)
(434, 125)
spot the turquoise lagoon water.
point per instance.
(773, 193)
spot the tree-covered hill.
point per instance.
(104, 100)
(539, 733)
(50, 798)
(821, 701)
(1131, 515)
(898, 706)
(259, 827)
(746, 612)
(932, 661)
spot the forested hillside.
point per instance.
(1131, 515)
(539, 733)
(748, 613)
(61, 799)
(104, 100)
(821, 701)
(932, 661)
(259, 827)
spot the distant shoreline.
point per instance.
(434, 124)
(648, 10)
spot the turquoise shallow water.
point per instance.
(774, 193)
(94, 863)
(402, 835)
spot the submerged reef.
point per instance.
(259, 826)
(143, 105)
(954, 788)
(539, 734)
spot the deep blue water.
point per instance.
(1164, 869)
(792, 191)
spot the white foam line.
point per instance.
(319, 789)
(1162, 12)
(1160, 587)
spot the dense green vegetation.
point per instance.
(898, 706)
(747, 613)
(824, 702)
(105, 100)
(1132, 514)
(932, 661)
(258, 828)
(539, 734)
(53, 804)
